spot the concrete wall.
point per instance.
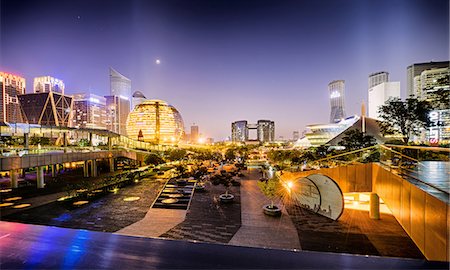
(351, 178)
(424, 217)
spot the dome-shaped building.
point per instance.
(155, 121)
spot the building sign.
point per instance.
(335, 94)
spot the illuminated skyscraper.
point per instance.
(433, 85)
(11, 86)
(119, 85)
(118, 103)
(89, 111)
(117, 110)
(46, 84)
(266, 131)
(414, 71)
(337, 98)
(239, 131)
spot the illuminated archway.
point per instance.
(320, 194)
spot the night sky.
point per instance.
(223, 61)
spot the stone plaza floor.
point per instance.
(241, 223)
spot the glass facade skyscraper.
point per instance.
(119, 85)
(266, 131)
(337, 98)
(239, 131)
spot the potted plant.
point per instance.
(271, 188)
(223, 179)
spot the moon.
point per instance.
(158, 61)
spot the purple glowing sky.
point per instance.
(223, 61)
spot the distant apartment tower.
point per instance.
(378, 78)
(48, 105)
(239, 131)
(46, 84)
(415, 70)
(295, 135)
(89, 111)
(266, 131)
(379, 94)
(194, 134)
(337, 98)
(117, 110)
(11, 86)
(380, 90)
(137, 99)
(119, 85)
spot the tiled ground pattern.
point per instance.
(208, 220)
(354, 232)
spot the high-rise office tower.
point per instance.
(337, 98)
(46, 84)
(117, 110)
(379, 94)
(380, 90)
(11, 86)
(266, 131)
(194, 134)
(119, 85)
(239, 131)
(430, 81)
(48, 105)
(118, 103)
(433, 85)
(377, 78)
(89, 111)
(414, 70)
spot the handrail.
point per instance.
(430, 148)
(347, 153)
(403, 155)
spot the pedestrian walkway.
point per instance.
(156, 222)
(258, 229)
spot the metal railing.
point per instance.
(427, 167)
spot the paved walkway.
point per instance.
(258, 229)
(156, 222)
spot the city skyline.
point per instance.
(225, 61)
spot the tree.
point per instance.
(176, 154)
(355, 139)
(229, 154)
(404, 117)
(271, 188)
(153, 159)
